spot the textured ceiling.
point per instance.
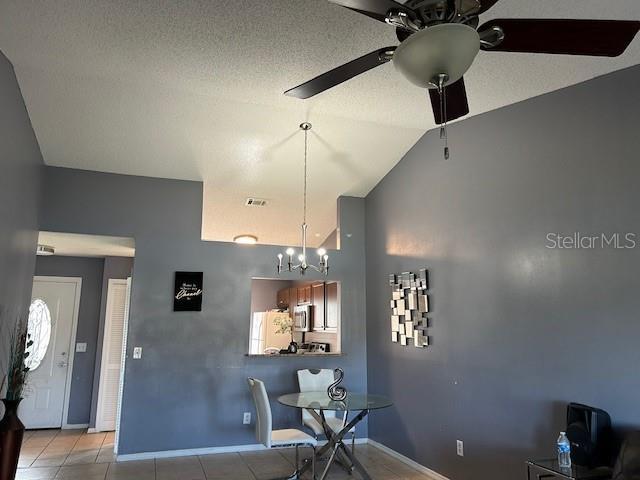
(193, 90)
(76, 245)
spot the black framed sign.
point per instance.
(187, 294)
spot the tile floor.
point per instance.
(77, 455)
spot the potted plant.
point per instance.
(285, 325)
(14, 380)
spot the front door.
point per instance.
(53, 308)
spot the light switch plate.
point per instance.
(137, 353)
(81, 347)
(460, 448)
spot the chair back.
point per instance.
(627, 465)
(263, 411)
(315, 381)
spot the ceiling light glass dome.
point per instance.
(447, 49)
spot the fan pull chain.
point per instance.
(443, 115)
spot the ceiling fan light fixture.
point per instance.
(447, 49)
(246, 239)
(45, 250)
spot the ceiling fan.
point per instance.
(439, 40)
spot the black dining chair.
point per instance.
(627, 465)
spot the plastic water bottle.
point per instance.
(564, 451)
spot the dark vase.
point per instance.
(293, 347)
(11, 433)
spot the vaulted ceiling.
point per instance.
(193, 90)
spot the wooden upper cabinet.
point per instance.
(304, 295)
(332, 315)
(293, 298)
(307, 294)
(319, 309)
(283, 298)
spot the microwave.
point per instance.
(302, 316)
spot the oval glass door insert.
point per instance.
(38, 331)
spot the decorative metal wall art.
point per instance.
(409, 308)
(335, 391)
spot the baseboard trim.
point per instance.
(257, 446)
(407, 461)
(127, 457)
(96, 430)
(189, 452)
(74, 426)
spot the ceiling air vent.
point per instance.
(255, 202)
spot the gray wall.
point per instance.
(118, 268)
(518, 329)
(90, 270)
(189, 389)
(20, 183)
(264, 293)
(331, 242)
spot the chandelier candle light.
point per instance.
(323, 263)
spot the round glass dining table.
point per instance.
(321, 401)
(317, 403)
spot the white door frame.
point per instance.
(103, 363)
(72, 344)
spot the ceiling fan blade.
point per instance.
(376, 9)
(375, 16)
(457, 105)
(600, 38)
(486, 5)
(341, 74)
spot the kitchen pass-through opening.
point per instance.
(294, 317)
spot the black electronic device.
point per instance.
(589, 432)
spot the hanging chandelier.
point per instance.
(323, 261)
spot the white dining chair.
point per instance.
(286, 437)
(319, 381)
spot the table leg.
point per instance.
(356, 463)
(343, 460)
(336, 445)
(337, 455)
(332, 442)
(319, 451)
(329, 462)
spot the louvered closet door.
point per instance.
(111, 355)
(123, 358)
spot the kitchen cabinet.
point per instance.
(304, 295)
(293, 298)
(283, 298)
(319, 310)
(332, 306)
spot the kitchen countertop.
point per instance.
(330, 354)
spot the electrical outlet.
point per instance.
(246, 418)
(460, 448)
(137, 353)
